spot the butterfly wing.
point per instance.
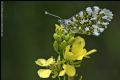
(92, 21)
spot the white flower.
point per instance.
(89, 10)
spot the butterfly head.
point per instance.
(63, 21)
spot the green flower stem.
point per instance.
(70, 78)
(59, 78)
(81, 77)
(64, 78)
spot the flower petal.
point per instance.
(70, 70)
(78, 44)
(50, 61)
(67, 48)
(41, 62)
(69, 55)
(44, 73)
(61, 26)
(62, 73)
(81, 54)
(91, 51)
(57, 25)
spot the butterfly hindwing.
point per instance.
(92, 21)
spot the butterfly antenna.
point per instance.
(52, 15)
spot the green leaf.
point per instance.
(54, 74)
(63, 44)
(55, 36)
(67, 37)
(55, 45)
(71, 40)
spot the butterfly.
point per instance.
(92, 21)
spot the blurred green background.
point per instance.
(28, 35)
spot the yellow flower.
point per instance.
(44, 73)
(59, 27)
(76, 51)
(44, 62)
(68, 69)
